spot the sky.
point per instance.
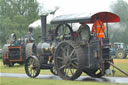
(73, 6)
(76, 5)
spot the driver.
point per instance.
(29, 35)
(98, 29)
(13, 38)
(84, 32)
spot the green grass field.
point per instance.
(20, 69)
(123, 66)
(30, 81)
(17, 69)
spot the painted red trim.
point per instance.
(20, 54)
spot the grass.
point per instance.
(17, 69)
(20, 69)
(30, 81)
(123, 66)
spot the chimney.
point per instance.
(43, 25)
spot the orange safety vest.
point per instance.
(98, 28)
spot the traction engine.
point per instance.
(68, 53)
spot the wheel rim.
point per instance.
(32, 67)
(95, 73)
(67, 62)
(53, 70)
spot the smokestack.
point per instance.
(43, 25)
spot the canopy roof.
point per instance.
(106, 17)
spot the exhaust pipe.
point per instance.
(43, 25)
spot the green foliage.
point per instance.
(15, 16)
(118, 8)
(37, 33)
(120, 34)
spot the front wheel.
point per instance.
(32, 66)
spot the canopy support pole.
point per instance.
(107, 29)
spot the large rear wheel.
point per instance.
(68, 60)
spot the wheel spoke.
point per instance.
(33, 61)
(30, 70)
(66, 68)
(60, 58)
(71, 70)
(74, 59)
(63, 30)
(63, 66)
(66, 71)
(72, 52)
(75, 66)
(62, 49)
(32, 73)
(68, 49)
(35, 71)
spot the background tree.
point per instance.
(15, 16)
(120, 33)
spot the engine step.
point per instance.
(46, 66)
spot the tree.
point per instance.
(15, 16)
(121, 9)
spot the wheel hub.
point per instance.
(120, 54)
(67, 60)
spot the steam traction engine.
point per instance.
(15, 50)
(71, 53)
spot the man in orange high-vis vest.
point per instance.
(98, 28)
